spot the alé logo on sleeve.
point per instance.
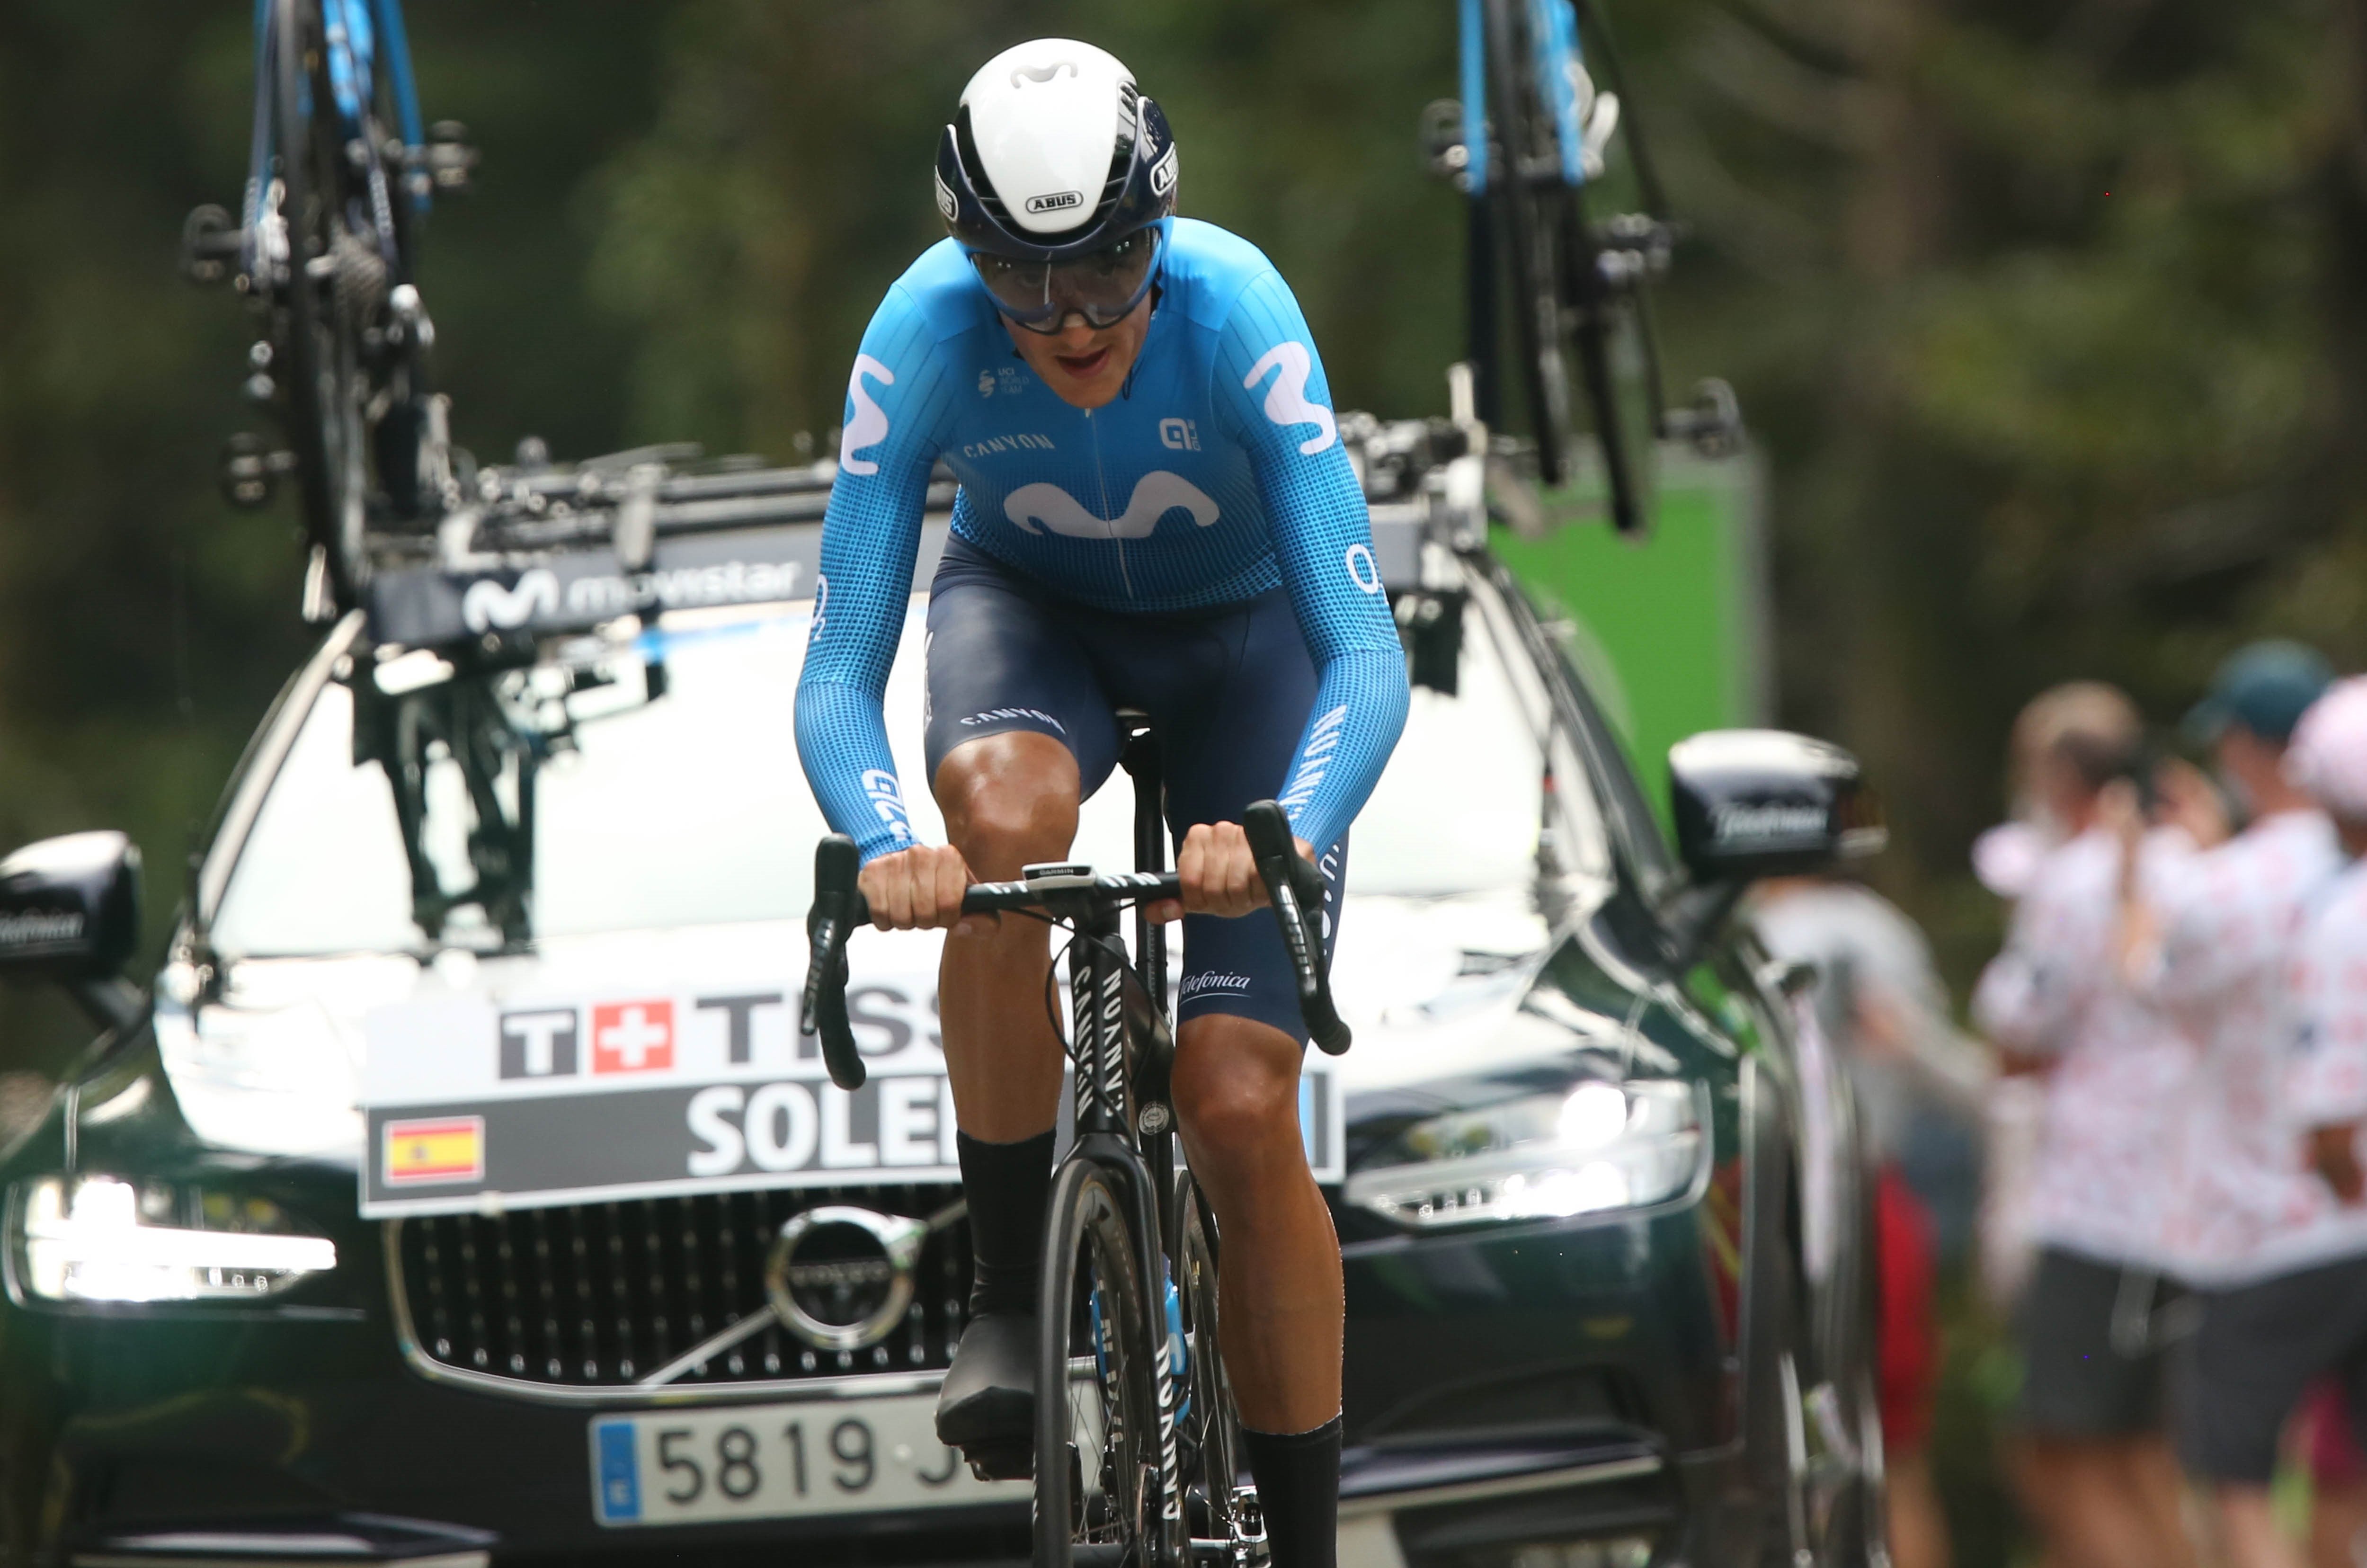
(879, 787)
(1323, 738)
(1287, 401)
(868, 425)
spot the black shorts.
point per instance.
(2092, 1336)
(1227, 691)
(2256, 1352)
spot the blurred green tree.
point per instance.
(2049, 314)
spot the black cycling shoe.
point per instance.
(987, 1408)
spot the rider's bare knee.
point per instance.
(1237, 1096)
(1009, 799)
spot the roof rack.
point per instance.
(535, 548)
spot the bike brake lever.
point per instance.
(833, 916)
(1296, 889)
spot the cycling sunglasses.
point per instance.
(1102, 286)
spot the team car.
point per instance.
(461, 1188)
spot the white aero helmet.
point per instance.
(1054, 156)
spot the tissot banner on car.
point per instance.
(533, 1099)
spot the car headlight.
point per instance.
(1599, 1146)
(99, 1238)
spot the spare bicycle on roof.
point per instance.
(1567, 211)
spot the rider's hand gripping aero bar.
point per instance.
(839, 907)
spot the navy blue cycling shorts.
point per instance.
(1227, 691)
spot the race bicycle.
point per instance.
(1582, 231)
(1138, 1460)
(340, 174)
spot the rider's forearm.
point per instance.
(843, 744)
(1360, 707)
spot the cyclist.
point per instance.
(1155, 512)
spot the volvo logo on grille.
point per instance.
(840, 1277)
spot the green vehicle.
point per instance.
(460, 1190)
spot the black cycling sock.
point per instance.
(1008, 1186)
(1298, 1477)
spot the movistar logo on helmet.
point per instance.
(1043, 72)
(1055, 202)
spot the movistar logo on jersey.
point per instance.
(867, 425)
(995, 446)
(1287, 401)
(1036, 507)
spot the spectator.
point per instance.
(1881, 1001)
(2095, 1468)
(2260, 937)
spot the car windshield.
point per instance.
(662, 788)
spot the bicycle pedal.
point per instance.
(1002, 1461)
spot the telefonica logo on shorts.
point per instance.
(1768, 821)
(1195, 984)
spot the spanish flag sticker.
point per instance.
(448, 1149)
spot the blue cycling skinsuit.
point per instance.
(1197, 549)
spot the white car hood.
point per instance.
(1432, 986)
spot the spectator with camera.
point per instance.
(2094, 1467)
(2210, 936)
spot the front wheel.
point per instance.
(1220, 1505)
(1098, 1492)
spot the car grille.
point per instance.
(599, 1295)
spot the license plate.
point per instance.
(763, 1462)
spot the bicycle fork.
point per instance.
(1098, 1015)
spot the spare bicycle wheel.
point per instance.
(1525, 187)
(1220, 1505)
(321, 377)
(1099, 1493)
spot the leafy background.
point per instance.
(2050, 316)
